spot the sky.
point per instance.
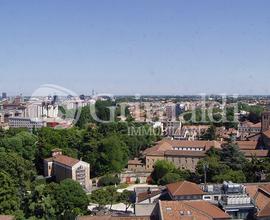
(127, 47)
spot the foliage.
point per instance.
(126, 198)
(70, 197)
(170, 178)
(236, 176)
(9, 200)
(108, 180)
(161, 168)
(232, 156)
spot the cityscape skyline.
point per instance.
(125, 48)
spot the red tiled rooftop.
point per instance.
(65, 160)
(257, 153)
(187, 210)
(184, 188)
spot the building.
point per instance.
(190, 210)
(30, 123)
(4, 95)
(232, 198)
(184, 154)
(260, 194)
(136, 165)
(62, 167)
(247, 129)
(265, 121)
(185, 190)
(146, 200)
(129, 177)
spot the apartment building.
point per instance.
(30, 123)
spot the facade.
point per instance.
(4, 95)
(184, 154)
(63, 167)
(265, 121)
(136, 165)
(232, 198)
(247, 129)
(20, 122)
(132, 177)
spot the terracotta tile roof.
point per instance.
(134, 162)
(251, 190)
(88, 217)
(267, 133)
(187, 210)
(265, 212)
(184, 188)
(158, 149)
(65, 160)
(261, 195)
(265, 188)
(257, 153)
(185, 153)
(247, 145)
(167, 145)
(7, 217)
(145, 195)
(108, 217)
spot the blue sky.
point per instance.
(136, 46)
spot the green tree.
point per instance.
(42, 204)
(232, 156)
(101, 197)
(236, 176)
(126, 198)
(113, 154)
(9, 195)
(170, 178)
(70, 198)
(161, 168)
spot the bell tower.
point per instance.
(265, 121)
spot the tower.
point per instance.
(265, 121)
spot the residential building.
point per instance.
(30, 123)
(185, 190)
(136, 165)
(187, 210)
(232, 198)
(247, 129)
(260, 194)
(146, 200)
(63, 167)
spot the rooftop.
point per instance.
(186, 210)
(184, 188)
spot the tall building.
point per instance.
(265, 121)
(4, 95)
(63, 167)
